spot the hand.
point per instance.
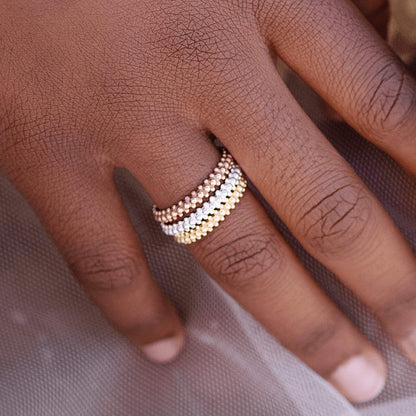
(89, 86)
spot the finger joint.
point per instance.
(390, 103)
(244, 261)
(336, 221)
(106, 267)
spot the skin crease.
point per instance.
(93, 85)
(378, 13)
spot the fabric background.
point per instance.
(59, 357)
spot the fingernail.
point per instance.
(361, 378)
(164, 350)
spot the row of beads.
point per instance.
(206, 226)
(208, 208)
(210, 184)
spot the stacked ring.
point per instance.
(206, 226)
(210, 203)
(198, 195)
(203, 212)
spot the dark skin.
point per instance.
(93, 85)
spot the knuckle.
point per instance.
(244, 261)
(105, 266)
(200, 42)
(336, 222)
(189, 39)
(390, 102)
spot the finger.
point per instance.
(319, 197)
(335, 49)
(377, 13)
(250, 260)
(86, 219)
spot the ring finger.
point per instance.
(251, 261)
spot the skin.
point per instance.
(93, 85)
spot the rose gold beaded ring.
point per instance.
(207, 206)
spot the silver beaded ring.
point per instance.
(209, 207)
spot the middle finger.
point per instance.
(319, 197)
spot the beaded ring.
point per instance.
(206, 226)
(207, 206)
(198, 195)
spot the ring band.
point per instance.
(206, 226)
(206, 207)
(198, 195)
